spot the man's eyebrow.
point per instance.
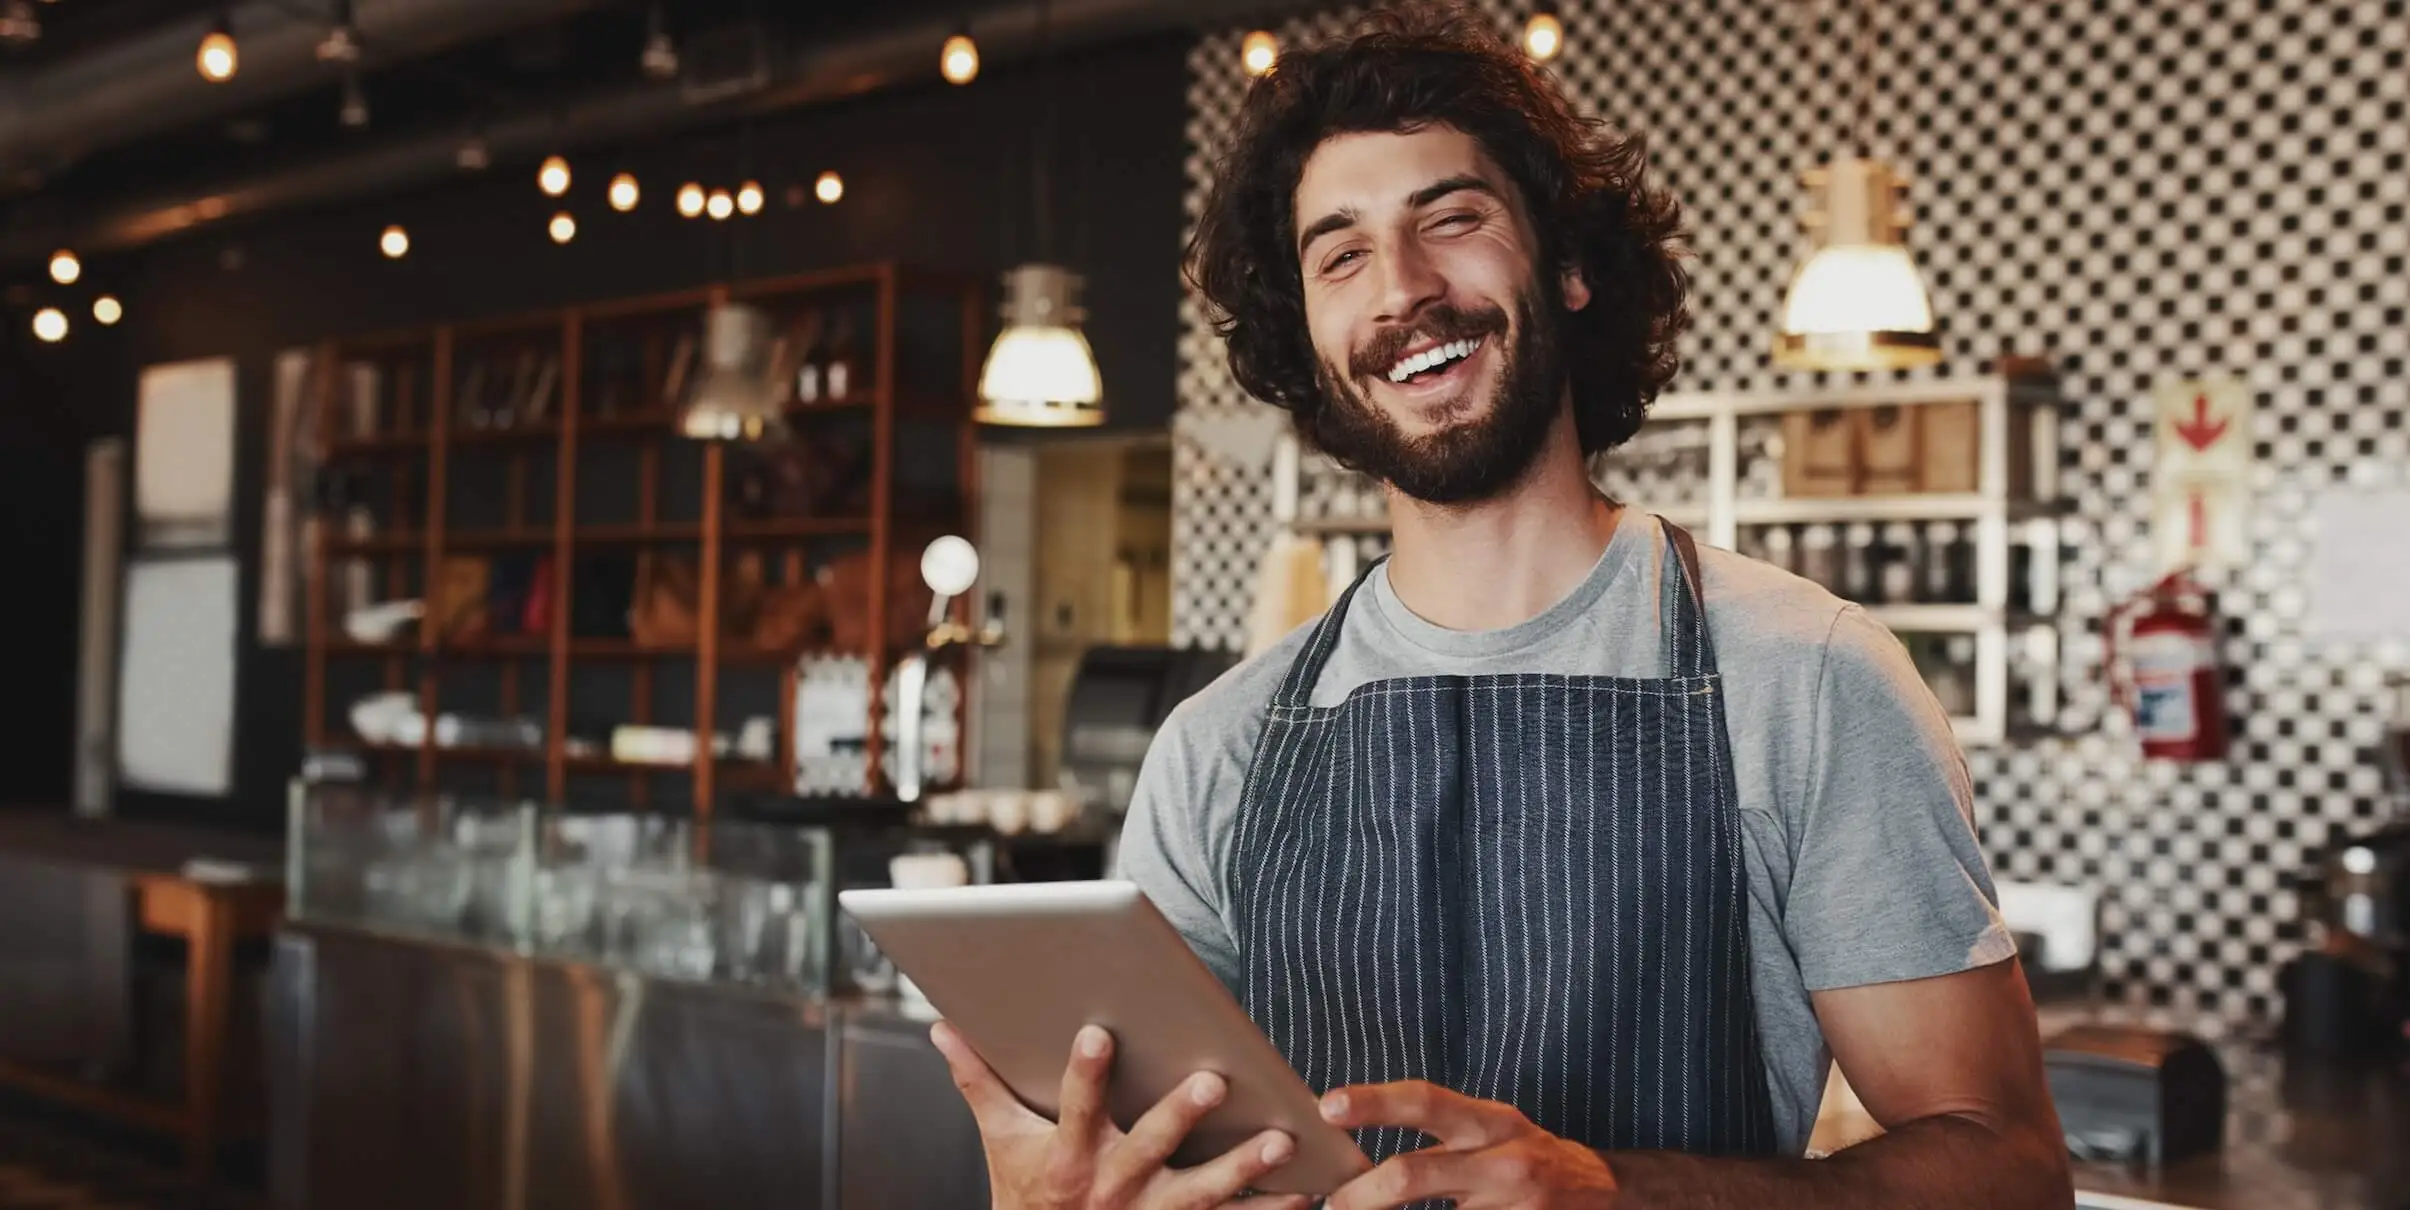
(1345, 217)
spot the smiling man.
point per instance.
(1565, 857)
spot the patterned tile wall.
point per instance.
(2136, 189)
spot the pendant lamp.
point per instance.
(1040, 373)
(1857, 302)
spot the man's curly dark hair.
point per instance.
(1583, 188)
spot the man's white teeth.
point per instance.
(1436, 355)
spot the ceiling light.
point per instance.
(106, 310)
(553, 176)
(64, 267)
(562, 228)
(394, 243)
(50, 325)
(217, 57)
(1040, 372)
(354, 113)
(719, 204)
(959, 61)
(737, 395)
(18, 22)
(748, 198)
(342, 42)
(660, 57)
(623, 191)
(829, 187)
(1544, 34)
(473, 155)
(1258, 52)
(690, 199)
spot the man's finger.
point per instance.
(1451, 1117)
(1081, 1112)
(1274, 1201)
(1223, 1178)
(1160, 1132)
(993, 1104)
(1404, 1179)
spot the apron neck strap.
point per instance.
(1685, 606)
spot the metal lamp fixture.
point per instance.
(735, 398)
(1040, 372)
(1857, 302)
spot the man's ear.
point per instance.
(1574, 288)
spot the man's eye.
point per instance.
(1454, 221)
(1341, 261)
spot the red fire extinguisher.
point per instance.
(2170, 679)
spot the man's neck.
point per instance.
(1491, 565)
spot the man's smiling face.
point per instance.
(1436, 337)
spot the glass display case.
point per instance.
(744, 903)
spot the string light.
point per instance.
(394, 243)
(64, 267)
(106, 310)
(50, 325)
(217, 57)
(553, 177)
(690, 199)
(1544, 34)
(748, 198)
(829, 187)
(1258, 52)
(959, 61)
(563, 228)
(720, 205)
(623, 191)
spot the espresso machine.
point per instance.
(2348, 995)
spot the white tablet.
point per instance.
(1017, 969)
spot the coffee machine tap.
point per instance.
(949, 566)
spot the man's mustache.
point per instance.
(1442, 323)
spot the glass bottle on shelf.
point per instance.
(1895, 567)
(840, 375)
(810, 374)
(1780, 548)
(1857, 563)
(1818, 561)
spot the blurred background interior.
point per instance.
(508, 507)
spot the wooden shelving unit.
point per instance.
(483, 439)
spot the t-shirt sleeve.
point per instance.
(1164, 847)
(1889, 882)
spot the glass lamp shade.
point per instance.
(735, 397)
(1856, 302)
(1040, 373)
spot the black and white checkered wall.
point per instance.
(2137, 190)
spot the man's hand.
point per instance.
(1486, 1156)
(1084, 1162)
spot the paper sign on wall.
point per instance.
(2201, 478)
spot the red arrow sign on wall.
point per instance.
(2200, 432)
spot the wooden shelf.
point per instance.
(380, 445)
(382, 544)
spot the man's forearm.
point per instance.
(1937, 1163)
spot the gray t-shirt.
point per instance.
(1856, 813)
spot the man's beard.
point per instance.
(1462, 463)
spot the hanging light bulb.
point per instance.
(1040, 372)
(217, 57)
(107, 310)
(553, 176)
(1856, 302)
(64, 267)
(1258, 52)
(623, 192)
(1544, 33)
(959, 61)
(50, 325)
(690, 199)
(660, 57)
(562, 228)
(748, 198)
(354, 113)
(719, 205)
(829, 187)
(394, 242)
(342, 41)
(736, 395)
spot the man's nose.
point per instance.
(1409, 283)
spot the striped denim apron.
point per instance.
(1526, 887)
